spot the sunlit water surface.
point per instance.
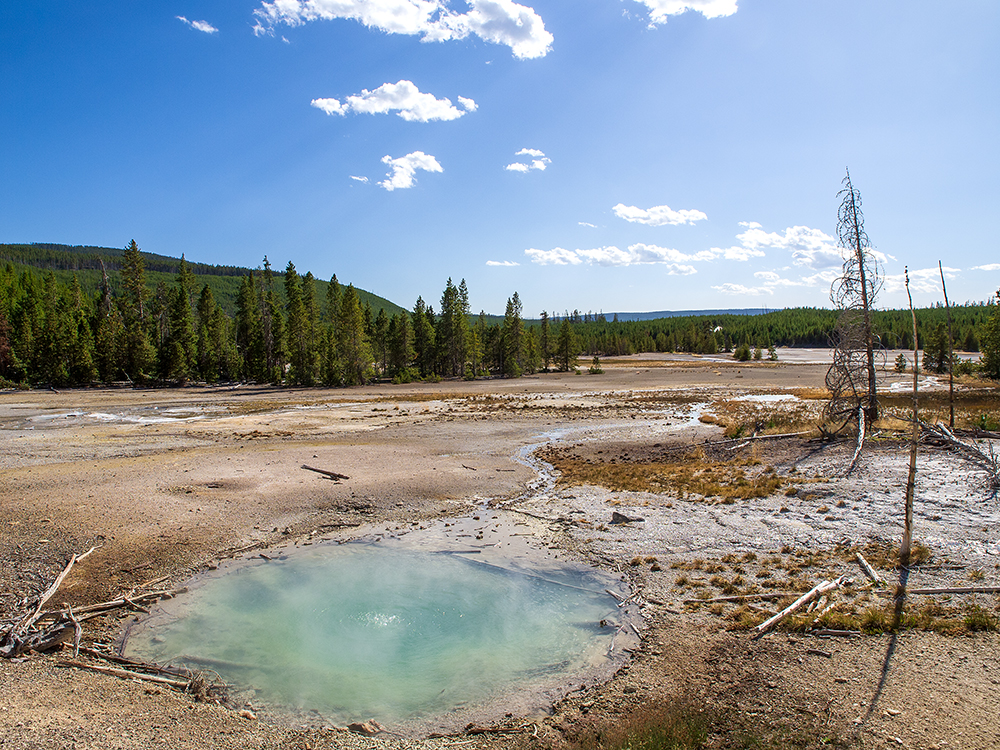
(383, 631)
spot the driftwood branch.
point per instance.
(331, 474)
(817, 591)
(986, 460)
(959, 590)
(868, 569)
(126, 674)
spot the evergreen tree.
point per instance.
(353, 346)
(566, 347)
(380, 341)
(249, 334)
(401, 351)
(138, 355)
(51, 360)
(423, 337)
(82, 367)
(512, 338)
(989, 343)
(545, 340)
(935, 350)
(182, 348)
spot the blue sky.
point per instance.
(616, 155)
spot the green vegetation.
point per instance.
(78, 315)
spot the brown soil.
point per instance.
(167, 481)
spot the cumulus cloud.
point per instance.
(740, 289)
(404, 169)
(537, 160)
(661, 10)
(987, 267)
(587, 224)
(359, 179)
(809, 247)
(657, 216)
(926, 280)
(504, 263)
(555, 257)
(613, 256)
(204, 26)
(737, 253)
(402, 97)
(497, 21)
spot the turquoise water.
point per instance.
(360, 631)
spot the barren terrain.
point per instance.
(164, 483)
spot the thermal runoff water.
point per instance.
(361, 631)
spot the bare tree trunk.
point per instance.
(951, 356)
(911, 478)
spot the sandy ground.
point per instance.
(166, 482)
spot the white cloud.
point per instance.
(359, 179)
(204, 26)
(504, 263)
(657, 216)
(737, 253)
(636, 255)
(555, 257)
(402, 97)
(740, 289)
(405, 168)
(809, 247)
(661, 10)
(926, 280)
(499, 21)
(587, 224)
(987, 267)
(538, 162)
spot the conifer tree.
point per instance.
(82, 368)
(566, 347)
(380, 341)
(545, 341)
(512, 338)
(182, 342)
(353, 346)
(989, 343)
(401, 351)
(138, 353)
(249, 335)
(423, 337)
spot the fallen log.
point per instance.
(125, 674)
(331, 474)
(818, 590)
(958, 590)
(868, 569)
(31, 619)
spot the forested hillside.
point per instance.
(89, 263)
(77, 316)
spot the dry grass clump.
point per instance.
(883, 555)
(971, 404)
(691, 477)
(744, 418)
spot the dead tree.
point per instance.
(851, 377)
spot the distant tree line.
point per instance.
(283, 330)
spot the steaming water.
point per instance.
(385, 631)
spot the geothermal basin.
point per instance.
(421, 628)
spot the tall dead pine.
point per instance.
(851, 377)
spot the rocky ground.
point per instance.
(167, 482)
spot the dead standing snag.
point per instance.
(851, 377)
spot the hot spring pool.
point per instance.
(393, 630)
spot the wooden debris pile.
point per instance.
(41, 630)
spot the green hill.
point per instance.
(86, 262)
